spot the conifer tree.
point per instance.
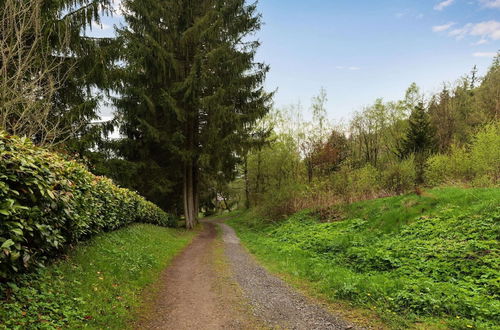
(419, 140)
(190, 91)
(85, 62)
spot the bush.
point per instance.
(485, 152)
(355, 184)
(365, 182)
(48, 203)
(283, 201)
(437, 170)
(399, 177)
(477, 164)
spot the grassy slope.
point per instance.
(432, 258)
(98, 285)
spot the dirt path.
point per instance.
(196, 291)
(218, 285)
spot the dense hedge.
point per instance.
(48, 203)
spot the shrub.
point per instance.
(280, 202)
(399, 177)
(48, 203)
(485, 152)
(365, 182)
(452, 168)
(339, 181)
(437, 170)
(477, 164)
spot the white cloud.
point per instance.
(409, 13)
(443, 4)
(488, 30)
(480, 42)
(460, 33)
(351, 68)
(491, 3)
(484, 54)
(441, 28)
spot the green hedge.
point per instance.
(48, 203)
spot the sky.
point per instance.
(362, 50)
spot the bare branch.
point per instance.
(30, 74)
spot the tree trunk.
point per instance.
(247, 192)
(259, 161)
(191, 201)
(191, 176)
(309, 170)
(226, 204)
(419, 168)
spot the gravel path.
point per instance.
(216, 284)
(273, 301)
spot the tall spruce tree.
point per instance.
(419, 140)
(190, 92)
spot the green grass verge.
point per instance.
(431, 259)
(97, 286)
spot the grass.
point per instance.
(428, 261)
(391, 214)
(97, 286)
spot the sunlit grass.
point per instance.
(430, 259)
(390, 214)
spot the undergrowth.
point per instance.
(432, 258)
(97, 286)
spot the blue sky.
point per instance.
(362, 50)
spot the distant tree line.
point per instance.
(387, 148)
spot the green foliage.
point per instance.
(48, 203)
(97, 286)
(188, 94)
(273, 173)
(419, 140)
(369, 182)
(485, 152)
(365, 181)
(477, 163)
(399, 177)
(422, 257)
(442, 168)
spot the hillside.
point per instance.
(430, 258)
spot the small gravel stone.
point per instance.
(275, 302)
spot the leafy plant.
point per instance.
(421, 257)
(48, 203)
(97, 286)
